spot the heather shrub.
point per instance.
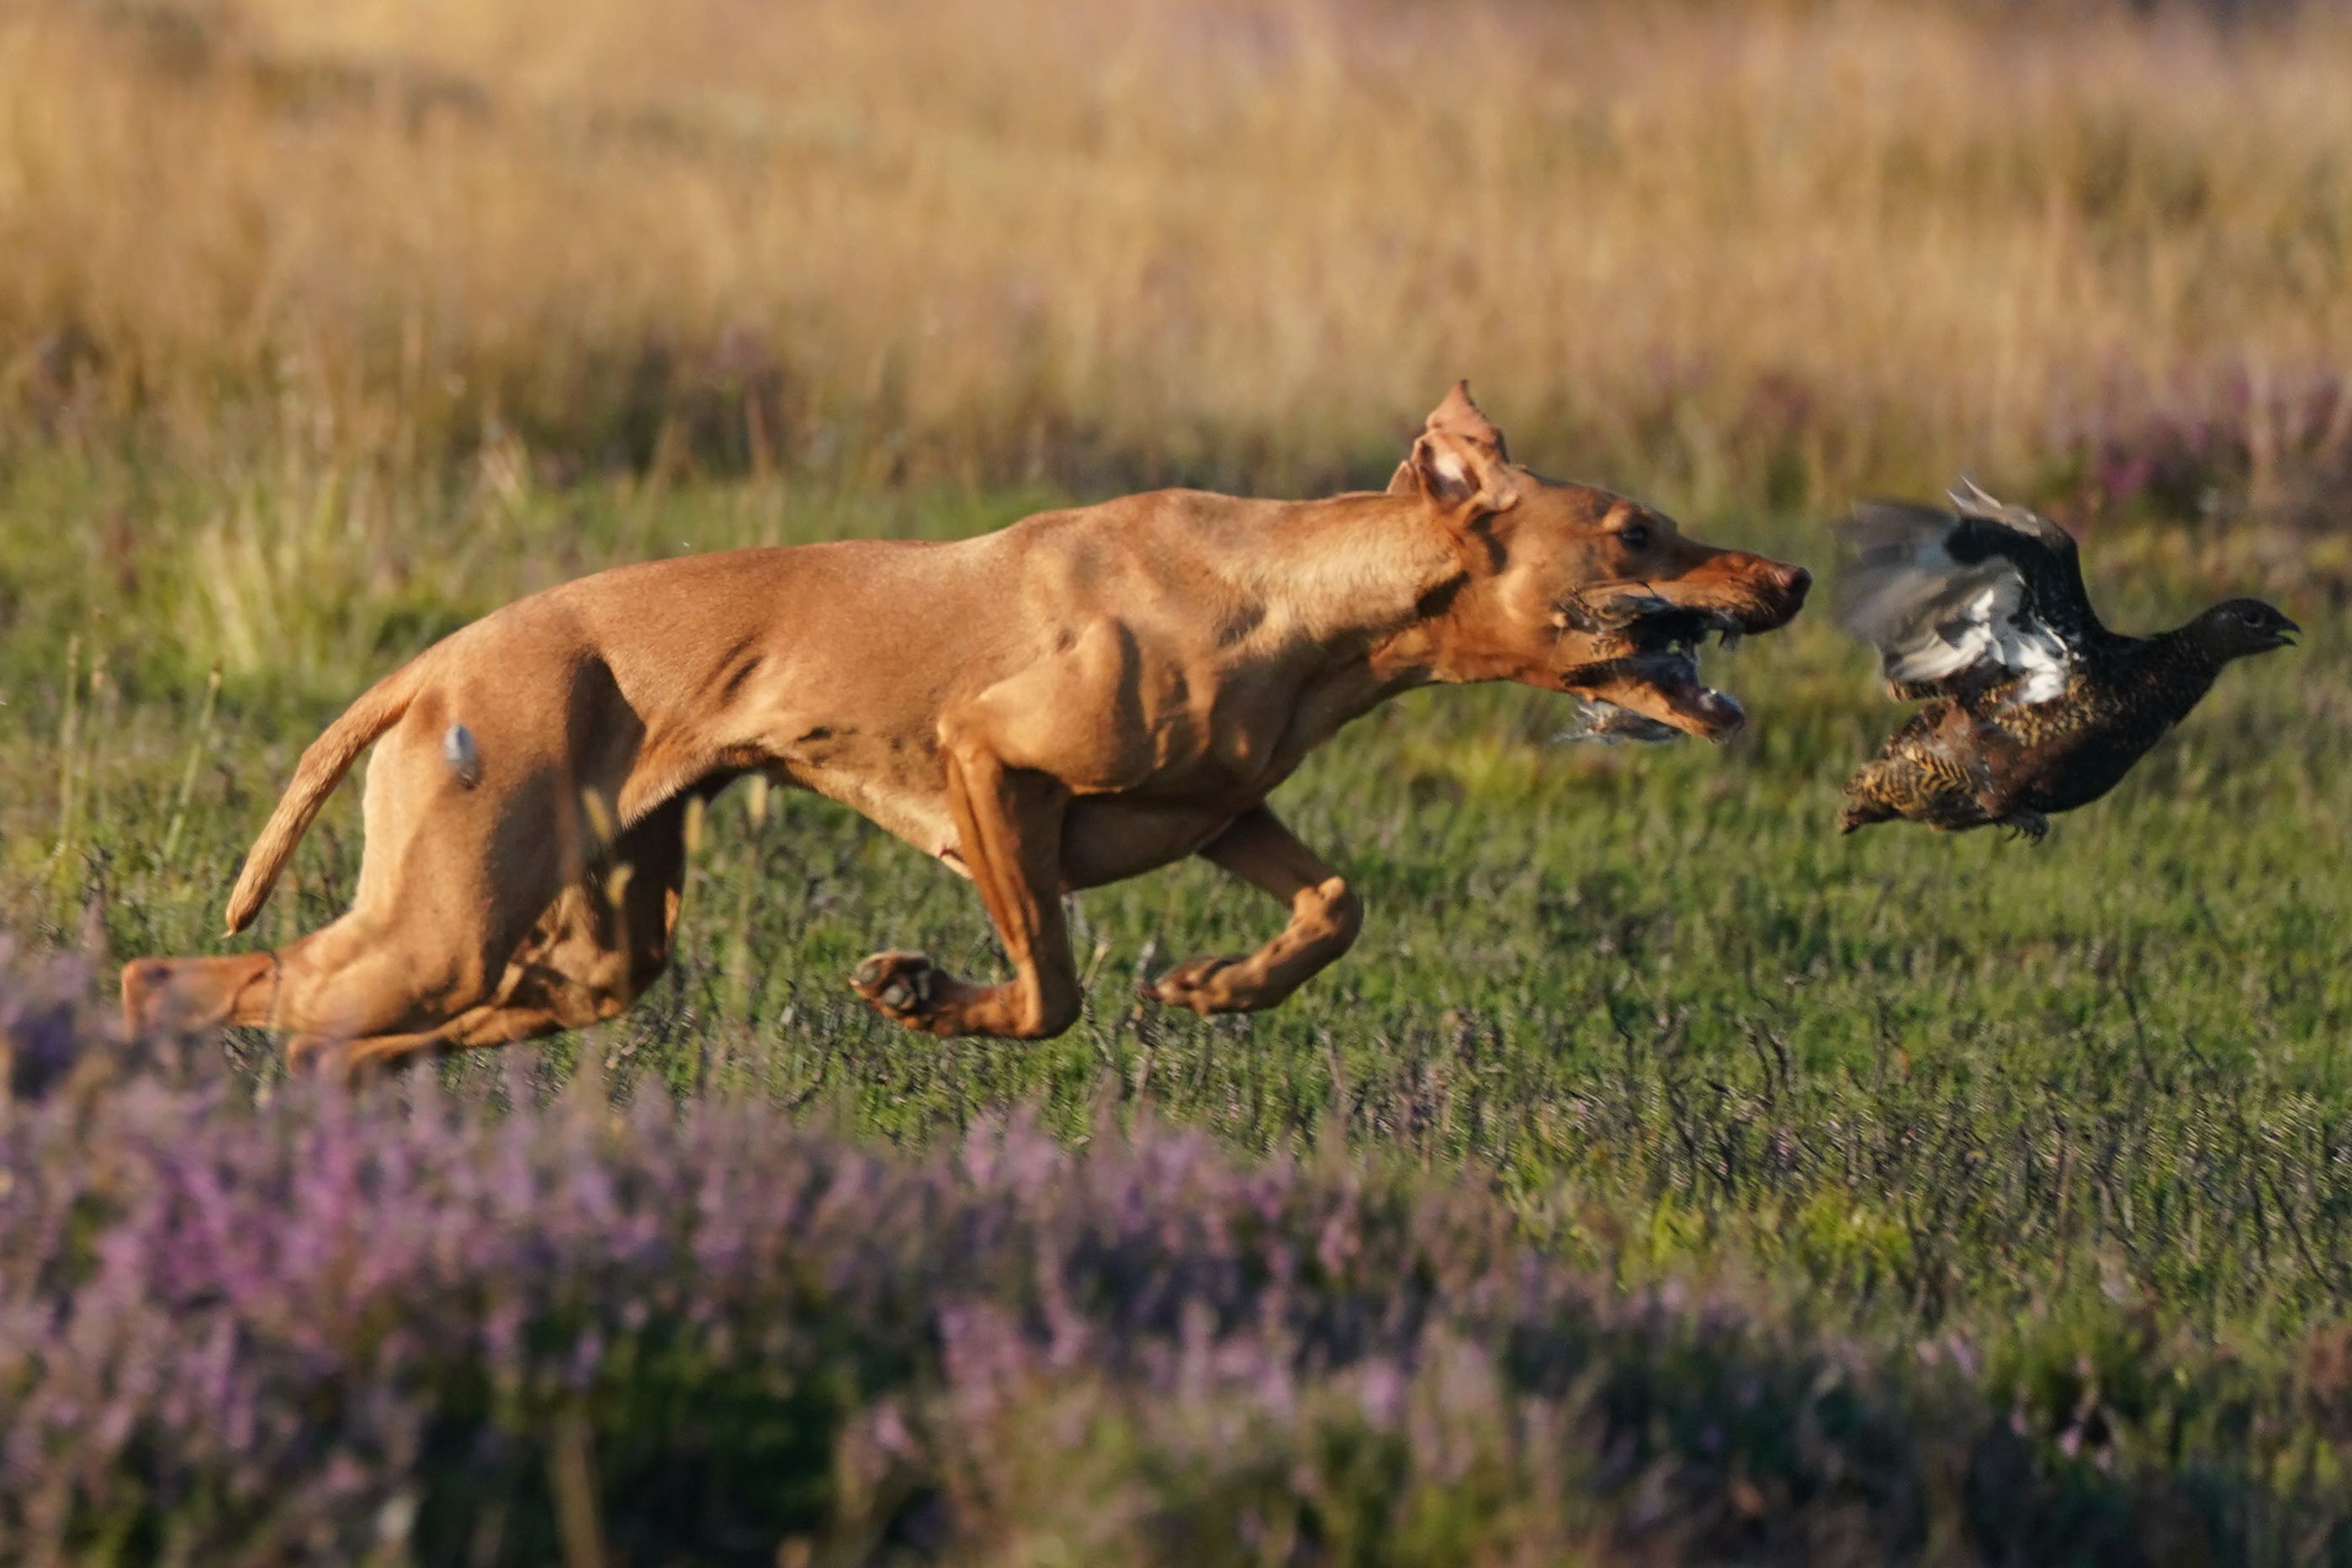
(412, 1326)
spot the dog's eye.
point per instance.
(1634, 535)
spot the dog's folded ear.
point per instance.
(1459, 462)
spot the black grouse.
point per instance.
(2033, 705)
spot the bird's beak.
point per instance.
(2287, 631)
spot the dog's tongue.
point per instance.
(1715, 714)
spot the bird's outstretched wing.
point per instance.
(1978, 595)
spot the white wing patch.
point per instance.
(1931, 617)
(1985, 630)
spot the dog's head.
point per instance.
(1574, 589)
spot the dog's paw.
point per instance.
(905, 986)
(1204, 985)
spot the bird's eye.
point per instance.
(2251, 615)
(1634, 535)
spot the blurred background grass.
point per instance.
(1747, 254)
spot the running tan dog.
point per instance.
(1076, 699)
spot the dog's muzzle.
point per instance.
(1644, 683)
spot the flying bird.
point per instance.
(2033, 705)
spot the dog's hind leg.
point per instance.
(1325, 916)
(592, 952)
(459, 868)
(491, 1024)
(270, 989)
(189, 995)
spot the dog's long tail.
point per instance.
(324, 762)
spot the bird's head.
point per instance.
(2236, 627)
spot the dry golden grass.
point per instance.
(1739, 254)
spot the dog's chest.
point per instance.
(1230, 733)
(894, 782)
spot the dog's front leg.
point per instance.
(1325, 916)
(1009, 822)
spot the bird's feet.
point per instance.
(2030, 825)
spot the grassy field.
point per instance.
(1651, 982)
(2076, 1116)
(323, 331)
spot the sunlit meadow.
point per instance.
(1662, 1178)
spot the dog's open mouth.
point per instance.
(1651, 691)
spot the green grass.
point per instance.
(1648, 993)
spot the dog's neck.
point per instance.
(1353, 571)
